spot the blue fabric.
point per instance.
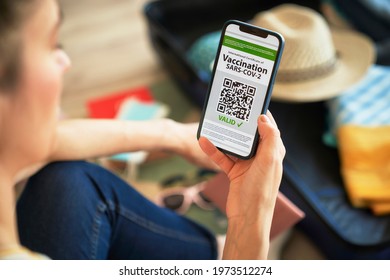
(365, 104)
(381, 8)
(371, 17)
(368, 17)
(78, 210)
(202, 53)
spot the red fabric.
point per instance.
(106, 107)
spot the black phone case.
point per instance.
(270, 85)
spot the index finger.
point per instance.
(222, 160)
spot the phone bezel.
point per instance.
(253, 30)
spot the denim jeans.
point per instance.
(78, 210)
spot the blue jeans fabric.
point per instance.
(78, 210)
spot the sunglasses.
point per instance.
(179, 199)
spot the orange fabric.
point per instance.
(365, 165)
(380, 208)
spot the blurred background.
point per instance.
(124, 46)
(110, 50)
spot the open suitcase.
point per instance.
(311, 176)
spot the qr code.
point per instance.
(236, 99)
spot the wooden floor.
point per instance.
(108, 44)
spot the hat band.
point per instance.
(287, 76)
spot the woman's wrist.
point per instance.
(151, 135)
(238, 235)
(169, 140)
(251, 221)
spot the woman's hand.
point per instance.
(182, 141)
(254, 185)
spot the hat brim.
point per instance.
(355, 53)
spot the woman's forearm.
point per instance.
(85, 138)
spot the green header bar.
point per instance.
(248, 47)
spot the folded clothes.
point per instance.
(359, 125)
(365, 165)
(365, 104)
(380, 208)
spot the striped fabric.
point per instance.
(359, 125)
(365, 104)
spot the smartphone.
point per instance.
(240, 88)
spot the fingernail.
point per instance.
(264, 118)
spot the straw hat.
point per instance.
(317, 63)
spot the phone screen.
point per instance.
(243, 71)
